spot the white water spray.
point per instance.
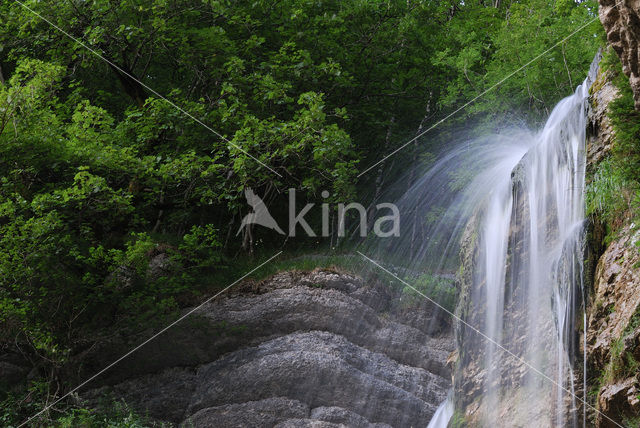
(527, 212)
(441, 417)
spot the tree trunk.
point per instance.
(564, 58)
(247, 239)
(427, 114)
(1, 75)
(156, 227)
(230, 228)
(379, 178)
(131, 84)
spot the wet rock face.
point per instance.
(621, 21)
(318, 349)
(600, 131)
(617, 294)
(470, 377)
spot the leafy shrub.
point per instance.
(626, 122)
(609, 194)
(612, 193)
(86, 418)
(76, 198)
(438, 288)
(457, 420)
(621, 364)
(197, 255)
(17, 407)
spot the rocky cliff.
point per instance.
(621, 21)
(319, 349)
(613, 332)
(613, 329)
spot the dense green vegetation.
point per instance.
(116, 207)
(612, 194)
(438, 288)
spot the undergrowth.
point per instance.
(457, 420)
(612, 193)
(621, 364)
(16, 407)
(435, 287)
(438, 288)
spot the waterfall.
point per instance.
(504, 214)
(441, 417)
(519, 214)
(528, 275)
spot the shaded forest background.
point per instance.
(117, 208)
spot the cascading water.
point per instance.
(528, 276)
(442, 416)
(527, 280)
(515, 203)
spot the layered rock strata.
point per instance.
(299, 349)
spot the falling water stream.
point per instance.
(524, 201)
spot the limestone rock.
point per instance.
(621, 21)
(300, 349)
(308, 423)
(615, 304)
(600, 131)
(338, 415)
(321, 369)
(617, 295)
(252, 414)
(613, 402)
